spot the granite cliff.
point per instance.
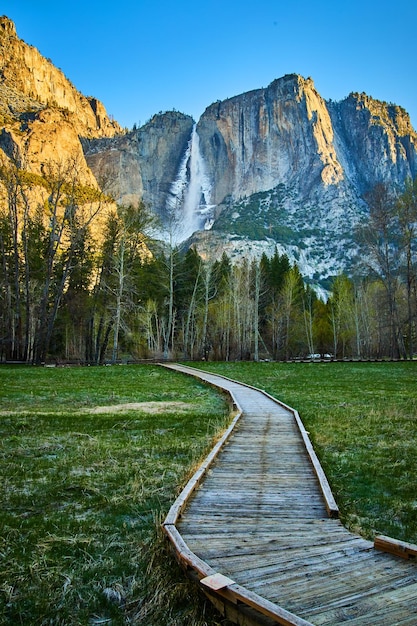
(277, 167)
(288, 168)
(43, 117)
(260, 139)
(272, 168)
(288, 134)
(142, 164)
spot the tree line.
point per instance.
(83, 283)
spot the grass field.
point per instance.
(362, 419)
(91, 459)
(83, 492)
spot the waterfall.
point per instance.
(189, 195)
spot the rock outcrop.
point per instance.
(42, 115)
(289, 169)
(142, 164)
(287, 134)
(375, 141)
(260, 139)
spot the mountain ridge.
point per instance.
(275, 167)
(283, 168)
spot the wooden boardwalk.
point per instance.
(257, 525)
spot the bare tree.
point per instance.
(407, 218)
(379, 238)
(291, 298)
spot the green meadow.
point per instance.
(92, 458)
(90, 461)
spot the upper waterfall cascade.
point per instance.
(189, 196)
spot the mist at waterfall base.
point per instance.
(188, 205)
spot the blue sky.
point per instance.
(145, 56)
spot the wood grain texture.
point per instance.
(262, 514)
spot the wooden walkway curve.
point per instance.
(257, 526)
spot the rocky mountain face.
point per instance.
(260, 139)
(142, 164)
(42, 115)
(274, 168)
(289, 168)
(288, 134)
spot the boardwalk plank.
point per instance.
(261, 517)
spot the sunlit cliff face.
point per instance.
(268, 137)
(30, 74)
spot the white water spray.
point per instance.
(190, 192)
